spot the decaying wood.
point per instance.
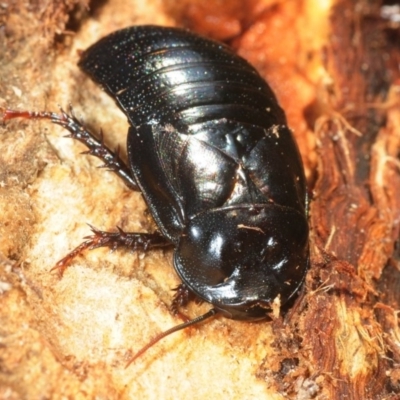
(335, 68)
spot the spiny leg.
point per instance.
(183, 296)
(132, 240)
(113, 240)
(97, 148)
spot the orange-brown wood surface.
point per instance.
(334, 66)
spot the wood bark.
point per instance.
(334, 66)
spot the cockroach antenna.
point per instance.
(168, 332)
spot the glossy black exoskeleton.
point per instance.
(210, 150)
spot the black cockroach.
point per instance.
(210, 150)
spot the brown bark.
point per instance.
(335, 69)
